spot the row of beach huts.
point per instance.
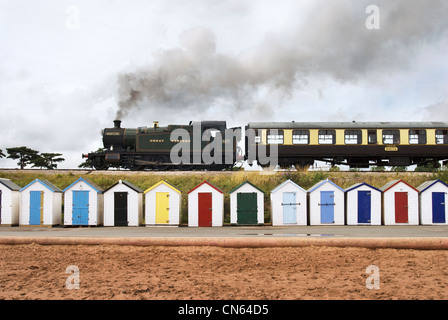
(86, 204)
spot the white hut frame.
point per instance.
(9, 202)
(40, 197)
(326, 203)
(83, 203)
(154, 213)
(392, 192)
(214, 198)
(363, 204)
(433, 197)
(246, 188)
(289, 204)
(133, 200)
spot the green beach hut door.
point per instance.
(246, 208)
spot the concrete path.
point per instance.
(401, 237)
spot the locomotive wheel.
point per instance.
(99, 163)
(162, 167)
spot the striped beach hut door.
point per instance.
(438, 207)
(80, 203)
(162, 207)
(36, 207)
(401, 207)
(364, 206)
(120, 208)
(246, 208)
(205, 209)
(327, 206)
(289, 207)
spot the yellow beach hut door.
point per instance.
(162, 207)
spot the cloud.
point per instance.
(331, 42)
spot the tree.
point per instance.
(47, 160)
(23, 154)
(1, 153)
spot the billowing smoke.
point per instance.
(332, 42)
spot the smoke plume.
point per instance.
(332, 41)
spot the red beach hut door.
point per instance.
(205, 209)
(401, 207)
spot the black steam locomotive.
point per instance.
(151, 147)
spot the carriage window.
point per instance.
(275, 136)
(327, 136)
(372, 137)
(441, 136)
(417, 136)
(300, 136)
(353, 137)
(391, 136)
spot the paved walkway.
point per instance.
(231, 231)
(401, 237)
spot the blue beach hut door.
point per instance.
(80, 208)
(327, 207)
(438, 207)
(289, 207)
(36, 207)
(364, 206)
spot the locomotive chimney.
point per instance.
(117, 124)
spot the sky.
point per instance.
(69, 68)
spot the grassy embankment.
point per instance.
(226, 181)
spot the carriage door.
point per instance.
(80, 203)
(246, 208)
(205, 209)
(36, 207)
(364, 206)
(401, 207)
(327, 206)
(289, 207)
(120, 208)
(438, 207)
(162, 207)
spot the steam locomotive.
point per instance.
(356, 144)
(150, 147)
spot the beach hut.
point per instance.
(433, 196)
(288, 204)
(123, 205)
(363, 204)
(162, 205)
(247, 205)
(40, 204)
(400, 203)
(83, 203)
(205, 206)
(326, 203)
(9, 202)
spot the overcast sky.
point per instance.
(69, 68)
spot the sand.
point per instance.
(213, 273)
